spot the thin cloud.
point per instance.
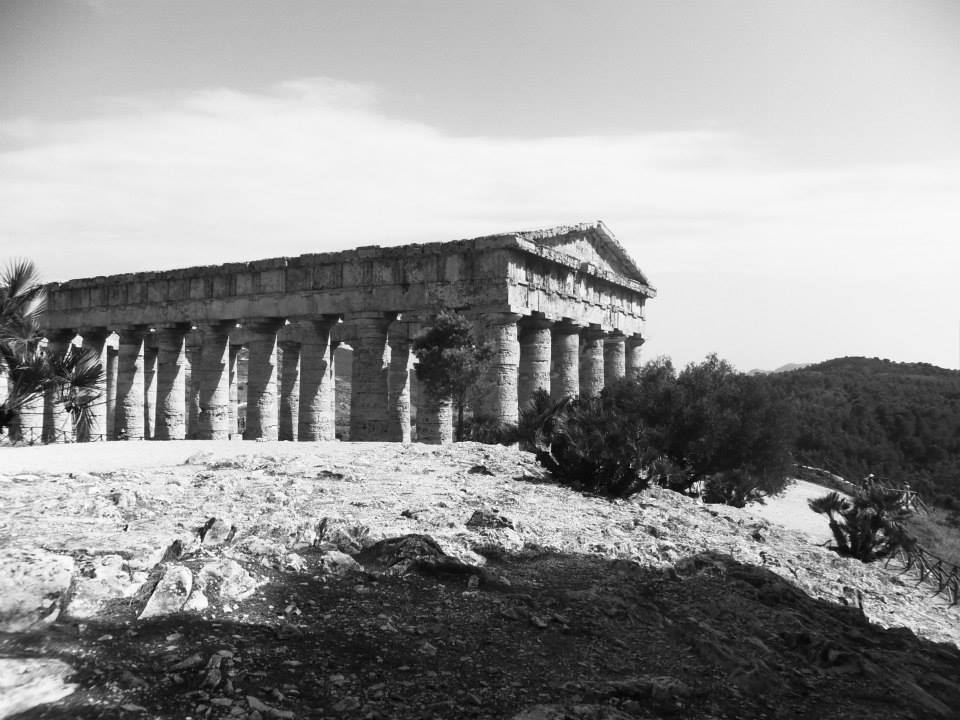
(173, 180)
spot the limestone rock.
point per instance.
(258, 706)
(497, 542)
(217, 531)
(291, 534)
(339, 563)
(489, 519)
(399, 553)
(100, 580)
(269, 552)
(345, 541)
(197, 602)
(576, 712)
(235, 582)
(170, 593)
(125, 498)
(33, 586)
(28, 682)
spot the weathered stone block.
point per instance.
(170, 593)
(33, 587)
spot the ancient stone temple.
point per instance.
(563, 308)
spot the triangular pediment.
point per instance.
(590, 244)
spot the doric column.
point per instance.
(95, 426)
(499, 402)
(634, 361)
(434, 420)
(614, 358)
(317, 404)
(129, 418)
(171, 414)
(289, 391)
(191, 387)
(27, 424)
(398, 385)
(368, 401)
(213, 377)
(27, 427)
(57, 421)
(262, 379)
(564, 361)
(150, 356)
(111, 367)
(535, 349)
(591, 362)
(233, 366)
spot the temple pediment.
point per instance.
(591, 244)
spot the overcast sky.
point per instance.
(787, 174)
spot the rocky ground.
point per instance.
(281, 580)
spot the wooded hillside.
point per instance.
(899, 421)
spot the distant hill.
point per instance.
(783, 368)
(857, 415)
(791, 366)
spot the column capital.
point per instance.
(323, 321)
(262, 324)
(536, 322)
(635, 340)
(93, 332)
(566, 327)
(133, 332)
(214, 326)
(592, 332)
(370, 315)
(60, 335)
(404, 329)
(183, 327)
(495, 318)
(378, 320)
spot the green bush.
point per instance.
(731, 431)
(451, 361)
(710, 427)
(491, 431)
(591, 444)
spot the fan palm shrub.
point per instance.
(31, 372)
(868, 526)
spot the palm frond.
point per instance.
(22, 301)
(19, 278)
(828, 504)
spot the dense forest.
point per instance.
(899, 421)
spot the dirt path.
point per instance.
(790, 509)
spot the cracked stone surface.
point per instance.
(89, 533)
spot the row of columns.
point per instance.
(160, 394)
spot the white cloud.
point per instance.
(206, 177)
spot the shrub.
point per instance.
(489, 430)
(590, 444)
(72, 379)
(709, 427)
(450, 361)
(731, 432)
(868, 526)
